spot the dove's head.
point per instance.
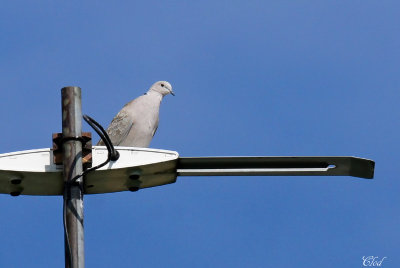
(162, 87)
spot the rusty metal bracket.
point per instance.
(86, 139)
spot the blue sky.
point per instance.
(251, 78)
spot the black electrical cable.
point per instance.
(66, 237)
(113, 155)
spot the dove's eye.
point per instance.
(162, 85)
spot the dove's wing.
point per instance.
(155, 129)
(119, 127)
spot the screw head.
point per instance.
(134, 176)
(16, 181)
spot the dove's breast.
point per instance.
(145, 114)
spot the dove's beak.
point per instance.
(172, 93)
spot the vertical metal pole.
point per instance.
(72, 161)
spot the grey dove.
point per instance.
(137, 122)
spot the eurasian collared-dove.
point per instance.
(137, 122)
